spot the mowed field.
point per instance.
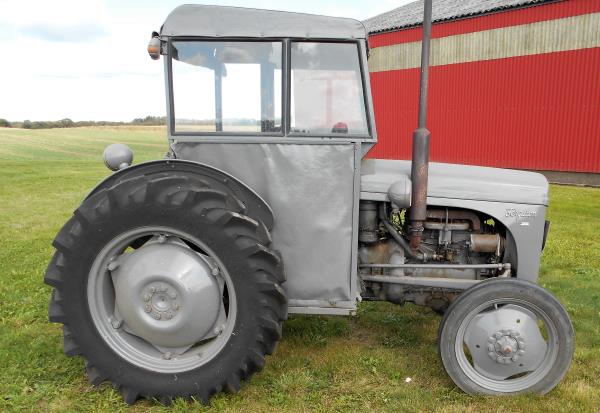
(323, 364)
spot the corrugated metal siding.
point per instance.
(569, 33)
(540, 111)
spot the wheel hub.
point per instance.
(505, 342)
(166, 293)
(506, 346)
(160, 300)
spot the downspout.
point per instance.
(420, 151)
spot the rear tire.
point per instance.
(186, 206)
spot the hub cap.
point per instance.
(500, 345)
(168, 306)
(166, 293)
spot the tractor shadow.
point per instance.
(381, 323)
(384, 343)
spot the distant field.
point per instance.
(323, 364)
(78, 144)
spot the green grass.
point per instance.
(322, 364)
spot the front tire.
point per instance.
(506, 336)
(122, 323)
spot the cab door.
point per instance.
(288, 118)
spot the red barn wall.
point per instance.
(527, 110)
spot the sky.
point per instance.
(87, 59)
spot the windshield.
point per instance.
(227, 86)
(327, 93)
(236, 87)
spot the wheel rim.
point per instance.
(168, 306)
(500, 346)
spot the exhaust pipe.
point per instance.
(420, 150)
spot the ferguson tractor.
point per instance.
(173, 277)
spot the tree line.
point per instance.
(68, 123)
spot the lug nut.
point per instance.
(147, 308)
(218, 330)
(147, 297)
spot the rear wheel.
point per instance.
(167, 289)
(506, 336)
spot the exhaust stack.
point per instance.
(420, 151)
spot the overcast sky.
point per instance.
(87, 59)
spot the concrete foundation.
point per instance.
(572, 178)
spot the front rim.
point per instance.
(132, 342)
(506, 345)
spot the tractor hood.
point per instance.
(457, 182)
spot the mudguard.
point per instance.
(257, 208)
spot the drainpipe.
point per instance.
(420, 153)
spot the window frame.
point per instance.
(285, 132)
(172, 128)
(363, 87)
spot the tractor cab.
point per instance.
(282, 102)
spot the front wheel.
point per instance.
(506, 336)
(167, 289)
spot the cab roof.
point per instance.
(223, 21)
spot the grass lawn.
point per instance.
(322, 363)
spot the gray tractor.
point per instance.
(173, 277)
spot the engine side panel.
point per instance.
(517, 199)
(311, 190)
(524, 222)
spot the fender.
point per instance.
(256, 207)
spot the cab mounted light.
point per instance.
(154, 46)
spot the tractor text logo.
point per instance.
(523, 213)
